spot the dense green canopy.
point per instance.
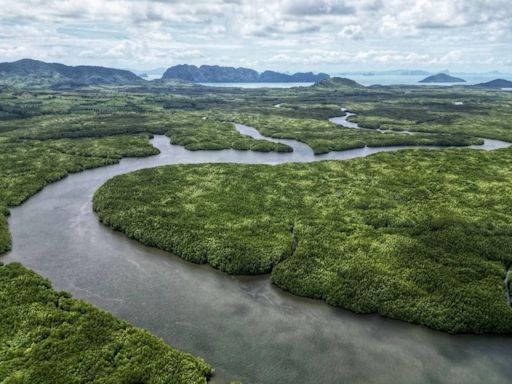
(49, 337)
(422, 236)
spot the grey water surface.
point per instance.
(246, 328)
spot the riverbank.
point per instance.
(143, 285)
(47, 336)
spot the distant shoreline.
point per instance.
(258, 85)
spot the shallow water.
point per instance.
(246, 328)
(257, 85)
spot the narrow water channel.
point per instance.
(246, 328)
(303, 152)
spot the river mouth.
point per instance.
(246, 328)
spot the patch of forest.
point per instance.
(50, 337)
(30, 165)
(416, 235)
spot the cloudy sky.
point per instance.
(287, 35)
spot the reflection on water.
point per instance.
(248, 329)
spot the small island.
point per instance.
(337, 82)
(442, 78)
(496, 83)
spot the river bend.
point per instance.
(246, 328)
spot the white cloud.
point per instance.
(354, 32)
(319, 34)
(318, 7)
(451, 57)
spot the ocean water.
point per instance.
(257, 85)
(471, 79)
(368, 80)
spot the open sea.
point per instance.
(368, 80)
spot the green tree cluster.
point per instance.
(421, 236)
(50, 337)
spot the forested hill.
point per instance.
(442, 78)
(497, 83)
(218, 74)
(35, 73)
(338, 83)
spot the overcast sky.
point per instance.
(287, 35)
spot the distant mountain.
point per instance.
(309, 77)
(338, 82)
(211, 74)
(299, 77)
(442, 78)
(497, 83)
(273, 77)
(35, 73)
(218, 74)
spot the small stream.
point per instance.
(303, 152)
(488, 145)
(343, 120)
(248, 329)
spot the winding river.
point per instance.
(246, 328)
